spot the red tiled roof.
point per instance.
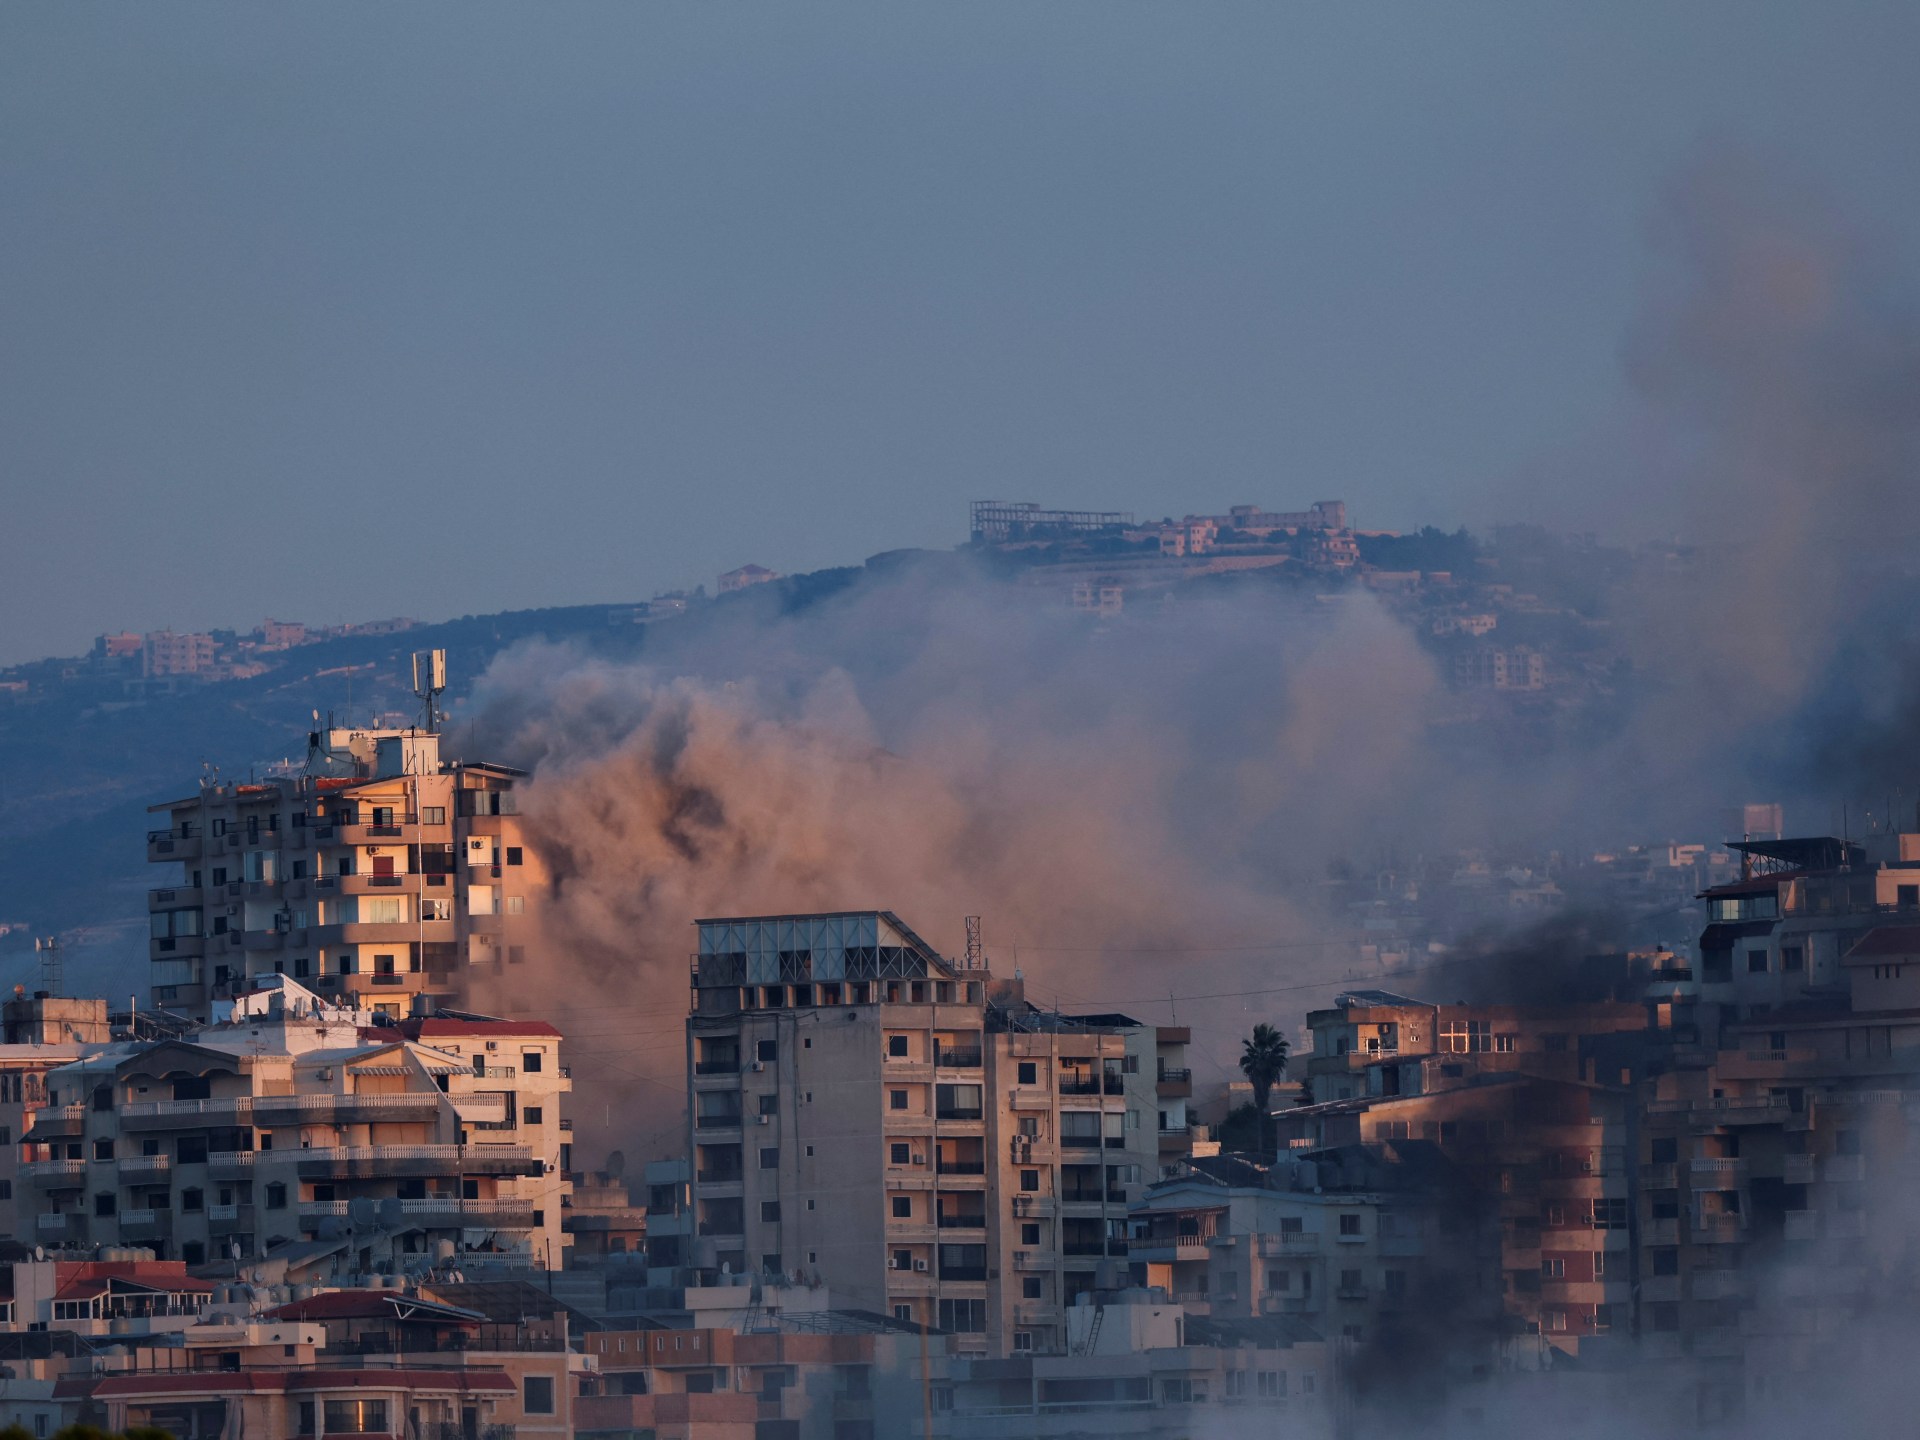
(1887, 940)
(84, 1278)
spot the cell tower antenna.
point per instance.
(52, 964)
(976, 954)
(429, 681)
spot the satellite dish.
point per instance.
(391, 1214)
(616, 1163)
(39, 1252)
(361, 1211)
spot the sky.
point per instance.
(339, 312)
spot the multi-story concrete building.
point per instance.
(41, 1033)
(909, 1130)
(379, 874)
(1139, 1366)
(306, 1131)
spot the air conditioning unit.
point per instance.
(921, 1266)
(758, 1066)
(919, 1159)
(766, 1119)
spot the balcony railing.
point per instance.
(718, 1067)
(944, 1166)
(957, 1112)
(963, 1222)
(954, 1058)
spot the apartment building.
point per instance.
(38, 1034)
(1536, 1106)
(341, 1362)
(1138, 1366)
(1348, 1241)
(811, 1375)
(303, 1131)
(379, 874)
(910, 1131)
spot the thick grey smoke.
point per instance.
(1151, 806)
(1136, 811)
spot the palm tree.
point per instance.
(1263, 1060)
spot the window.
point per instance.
(901, 1154)
(103, 1203)
(896, 1047)
(1664, 1150)
(191, 1200)
(903, 1260)
(1029, 1073)
(356, 1417)
(1461, 1037)
(770, 1212)
(532, 1115)
(537, 1395)
(769, 1157)
(766, 1051)
(1553, 1267)
(1030, 1181)
(1029, 1233)
(1349, 1224)
(276, 1196)
(1792, 959)
(1280, 1280)
(433, 814)
(896, 1099)
(963, 1317)
(1756, 962)
(531, 1061)
(903, 1312)
(103, 1149)
(1610, 1214)
(516, 904)
(770, 1104)
(513, 855)
(903, 1207)
(1505, 1044)
(1032, 1287)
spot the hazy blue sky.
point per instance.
(333, 311)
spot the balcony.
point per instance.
(1717, 1174)
(953, 1058)
(56, 1229)
(717, 1067)
(1803, 1225)
(57, 1122)
(54, 1174)
(232, 1164)
(176, 947)
(1173, 1082)
(957, 1112)
(373, 1162)
(438, 1212)
(230, 1219)
(146, 1224)
(184, 1114)
(389, 834)
(1077, 1084)
(945, 1166)
(379, 884)
(1718, 1230)
(1660, 1177)
(1797, 1169)
(146, 1167)
(1663, 1232)
(178, 898)
(346, 1109)
(171, 845)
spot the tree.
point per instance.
(1263, 1060)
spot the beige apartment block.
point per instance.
(379, 874)
(306, 1131)
(908, 1131)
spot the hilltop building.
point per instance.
(379, 875)
(910, 1132)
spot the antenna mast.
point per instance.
(976, 955)
(429, 681)
(52, 967)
